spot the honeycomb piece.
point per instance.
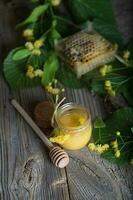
(85, 51)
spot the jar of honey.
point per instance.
(74, 120)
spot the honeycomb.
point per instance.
(85, 51)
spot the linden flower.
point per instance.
(92, 147)
(114, 144)
(118, 133)
(107, 83)
(30, 72)
(28, 33)
(99, 149)
(117, 154)
(52, 90)
(55, 2)
(38, 72)
(81, 121)
(38, 44)
(105, 147)
(29, 46)
(105, 69)
(36, 52)
(126, 54)
(60, 139)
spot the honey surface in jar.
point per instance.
(77, 124)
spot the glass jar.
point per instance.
(75, 121)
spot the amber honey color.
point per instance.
(75, 121)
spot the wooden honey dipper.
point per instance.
(58, 156)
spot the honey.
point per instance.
(75, 121)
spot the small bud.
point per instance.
(126, 54)
(63, 90)
(36, 52)
(28, 33)
(107, 83)
(38, 72)
(117, 154)
(118, 133)
(38, 44)
(92, 147)
(55, 2)
(29, 46)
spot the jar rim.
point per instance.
(68, 106)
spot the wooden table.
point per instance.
(26, 172)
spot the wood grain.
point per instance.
(25, 170)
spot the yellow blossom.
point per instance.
(30, 72)
(55, 2)
(107, 83)
(131, 162)
(28, 33)
(59, 137)
(117, 154)
(52, 90)
(126, 54)
(114, 144)
(105, 147)
(29, 46)
(81, 121)
(118, 133)
(105, 69)
(99, 149)
(38, 72)
(36, 52)
(92, 147)
(63, 90)
(38, 44)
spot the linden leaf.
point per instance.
(21, 54)
(50, 68)
(99, 123)
(36, 13)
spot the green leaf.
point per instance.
(99, 123)
(98, 86)
(67, 77)
(21, 54)
(54, 34)
(15, 71)
(109, 155)
(121, 120)
(79, 11)
(36, 13)
(103, 18)
(50, 68)
(83, 9)
(65, 26)
(108, 30)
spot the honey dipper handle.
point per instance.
(32, 124)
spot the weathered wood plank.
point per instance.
(26, 171)
(91, 177)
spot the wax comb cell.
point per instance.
(85, 51)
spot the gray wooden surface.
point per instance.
(25, 170)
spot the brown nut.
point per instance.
(43, 114)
